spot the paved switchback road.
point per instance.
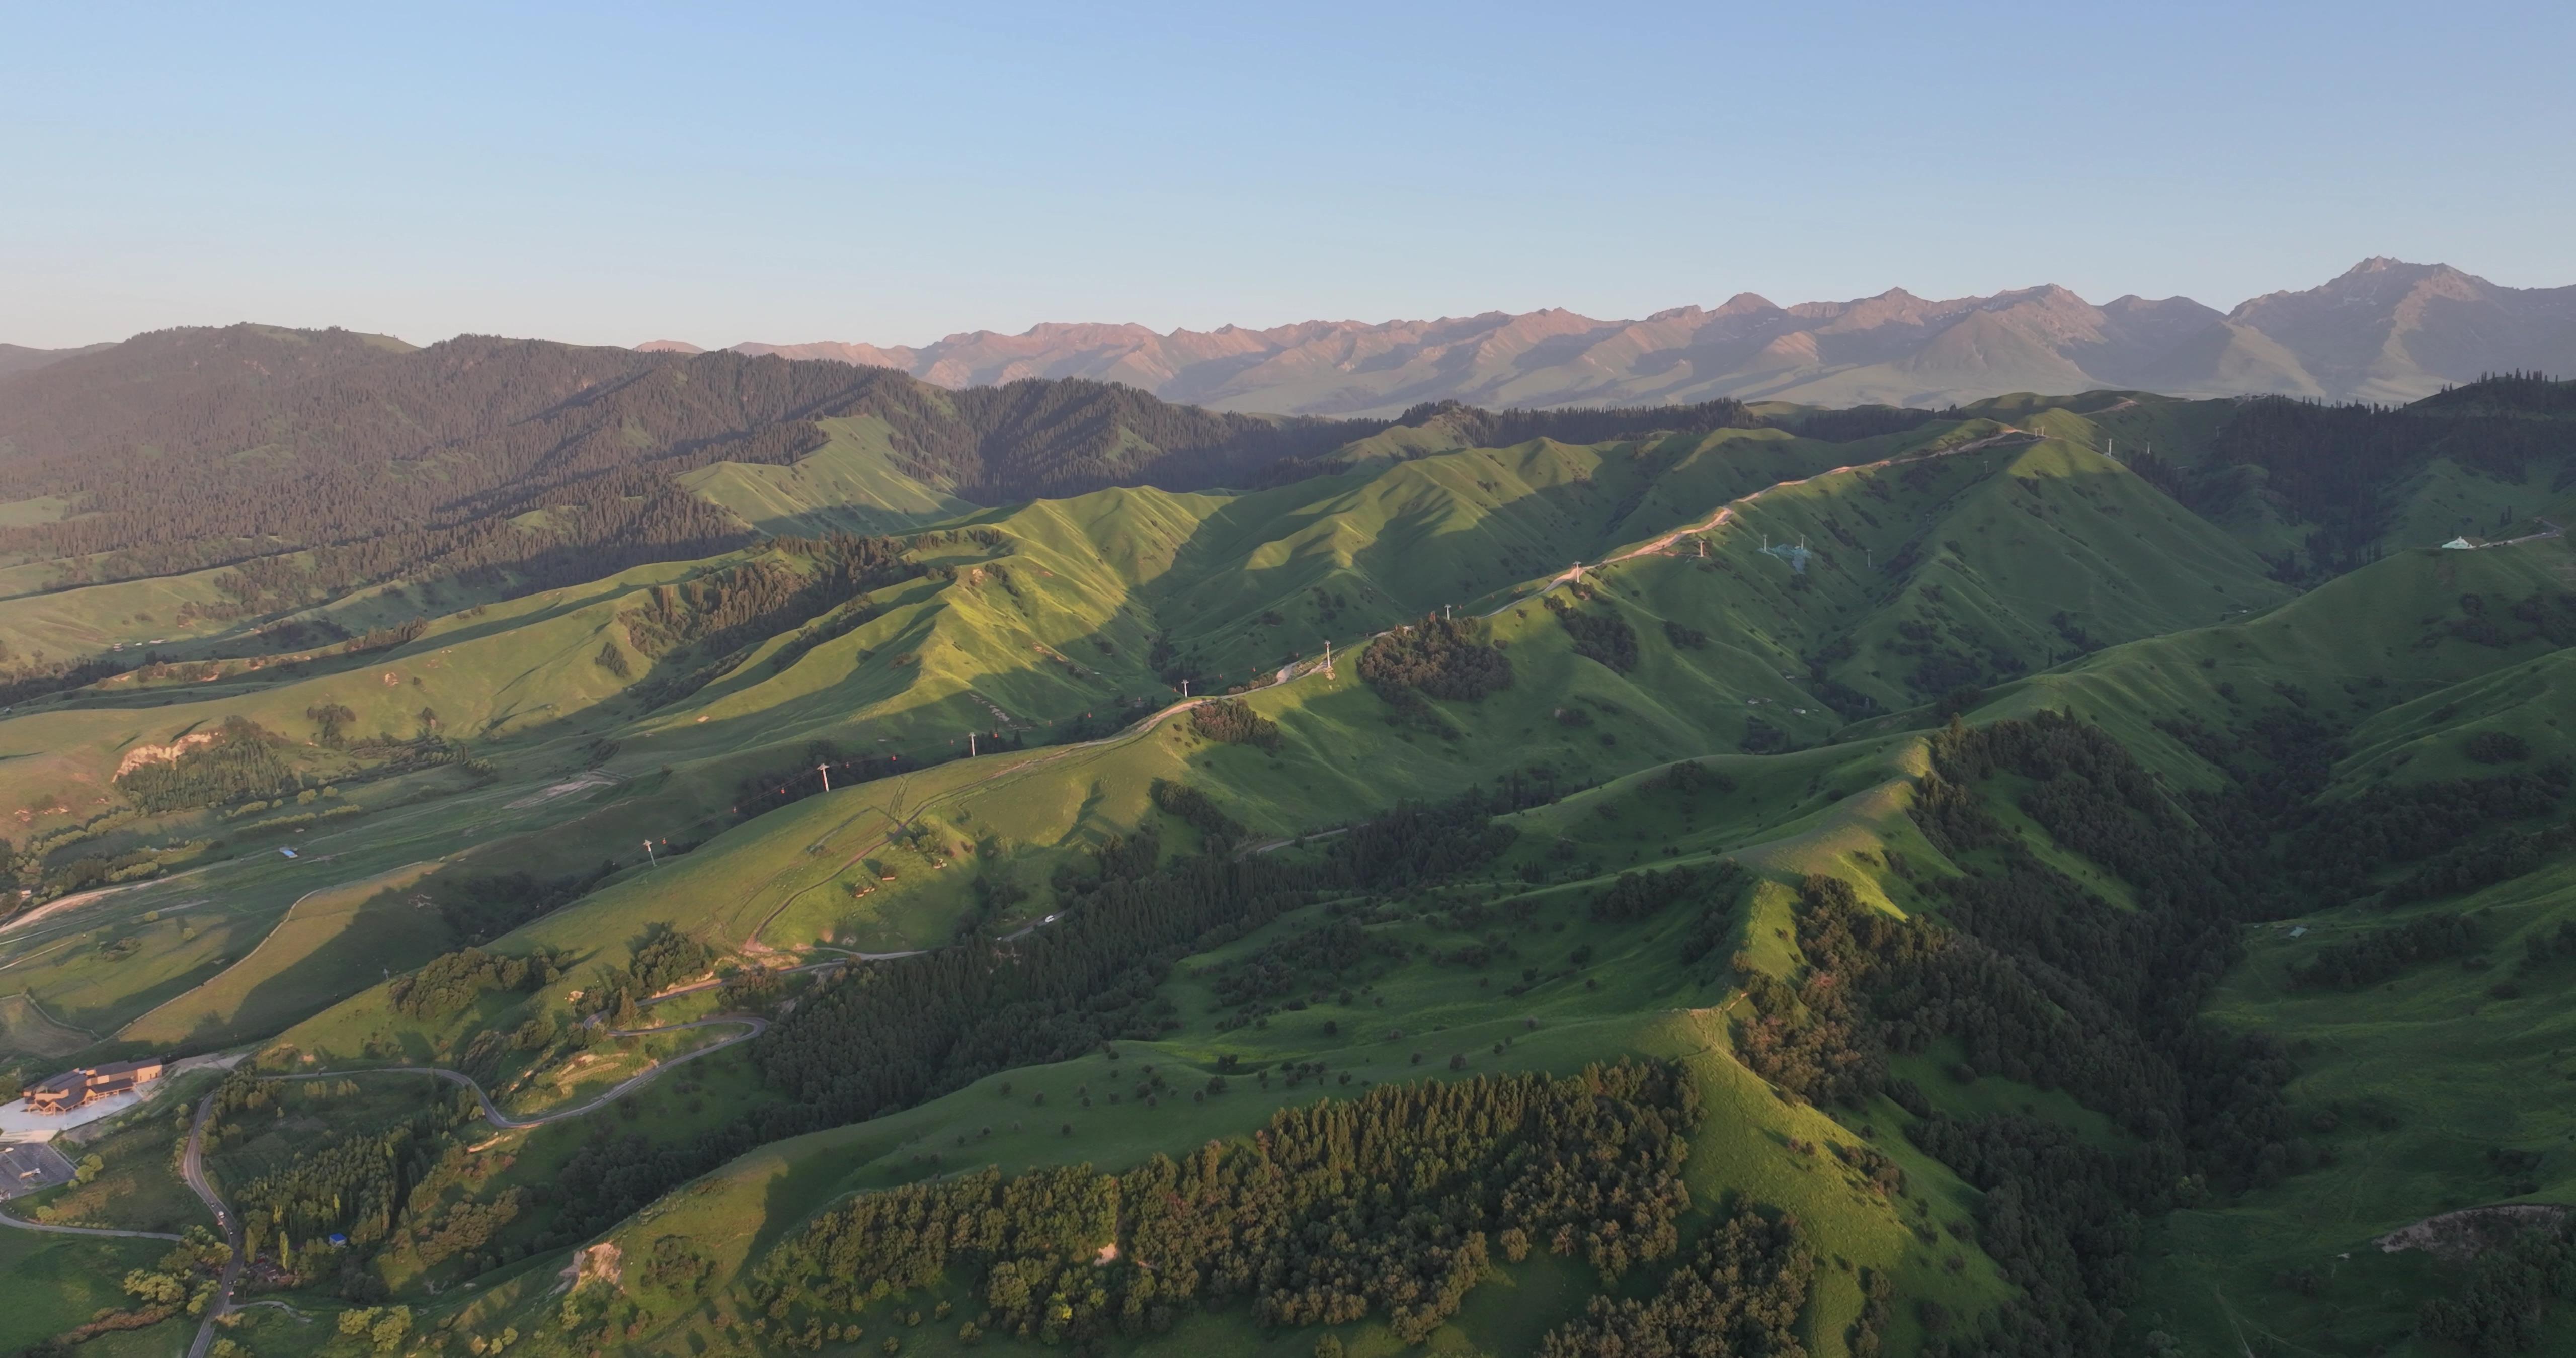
(192, 1168)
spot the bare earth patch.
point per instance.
(2465, 1234)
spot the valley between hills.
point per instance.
(718, 854)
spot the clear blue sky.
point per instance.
(719, 172)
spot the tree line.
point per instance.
(384, 460)
(893, 1034)
(1393, 1204)
(2337, 466)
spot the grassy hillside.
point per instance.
(853, 483)
(2065, 931)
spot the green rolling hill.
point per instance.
(1882, 882)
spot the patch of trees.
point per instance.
(2544, 946)
(330, 723)
(1816, 1036)
(1689, 778)
(1603, 637)
(661, 959)
(893, 1034)
(2061, 1219)
(465, 1227)
(1943, 672)
(890, 1035)
(2471, 866)
(1632, 896)
(1848, 702)
(2382, 953)
(1231, 721)
(2336, 466)
(2042, 981)
(2497, 747)
(1416, 844)
(2549, 618)
(2067, 627)
(451, 981)
(2504, 1305)
(385, 638)
(1194, 808)
(2039, 980)
(728, 612)
(1683, 637)
(356, 1182)
(240, 764)
(1436, 657)
(2129, 981)
(478, 908)
(1389, 1205)
(35, 679)
(2335, 848)
(1329, 956)
(769, 789)
(1173, 667)
(1739, 1295)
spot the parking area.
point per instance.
(26, 1166)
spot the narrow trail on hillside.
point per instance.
(1726, 512)
(192, 1165)
(1289, 673)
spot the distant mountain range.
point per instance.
(2385, 331)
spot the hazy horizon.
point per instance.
(614, 176)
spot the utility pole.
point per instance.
(648, 854)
